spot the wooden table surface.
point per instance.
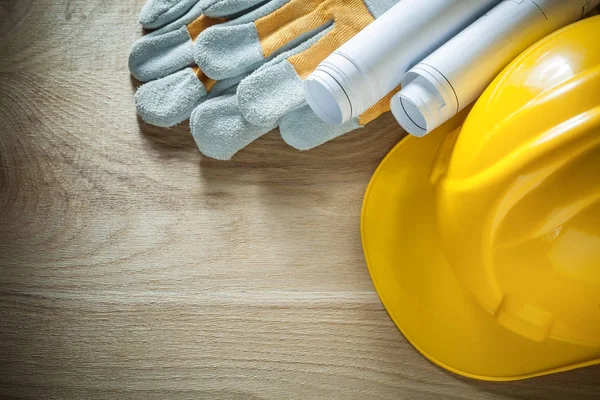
(133, 267)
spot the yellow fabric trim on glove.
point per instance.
(202, 23)
(381, 107)
(195, 29)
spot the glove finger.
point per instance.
(220, 130)
(158, 13)
(304, 130)
(190, 16)
(223, 10)
(155, 57)
(169, 101)
(276, 88)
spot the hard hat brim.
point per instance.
(419, 289)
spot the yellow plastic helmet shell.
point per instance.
(483, 238)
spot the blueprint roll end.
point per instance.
(331, 90)
(425, 102)
(327, 98)
(418, 107)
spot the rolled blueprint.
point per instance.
(372, 64)
(457, 73)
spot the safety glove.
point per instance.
(272, 44)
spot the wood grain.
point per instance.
(133, 267)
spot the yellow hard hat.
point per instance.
(483, 238)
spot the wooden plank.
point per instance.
(133, 267)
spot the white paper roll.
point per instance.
(372, 64)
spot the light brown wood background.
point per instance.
(133, 267)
